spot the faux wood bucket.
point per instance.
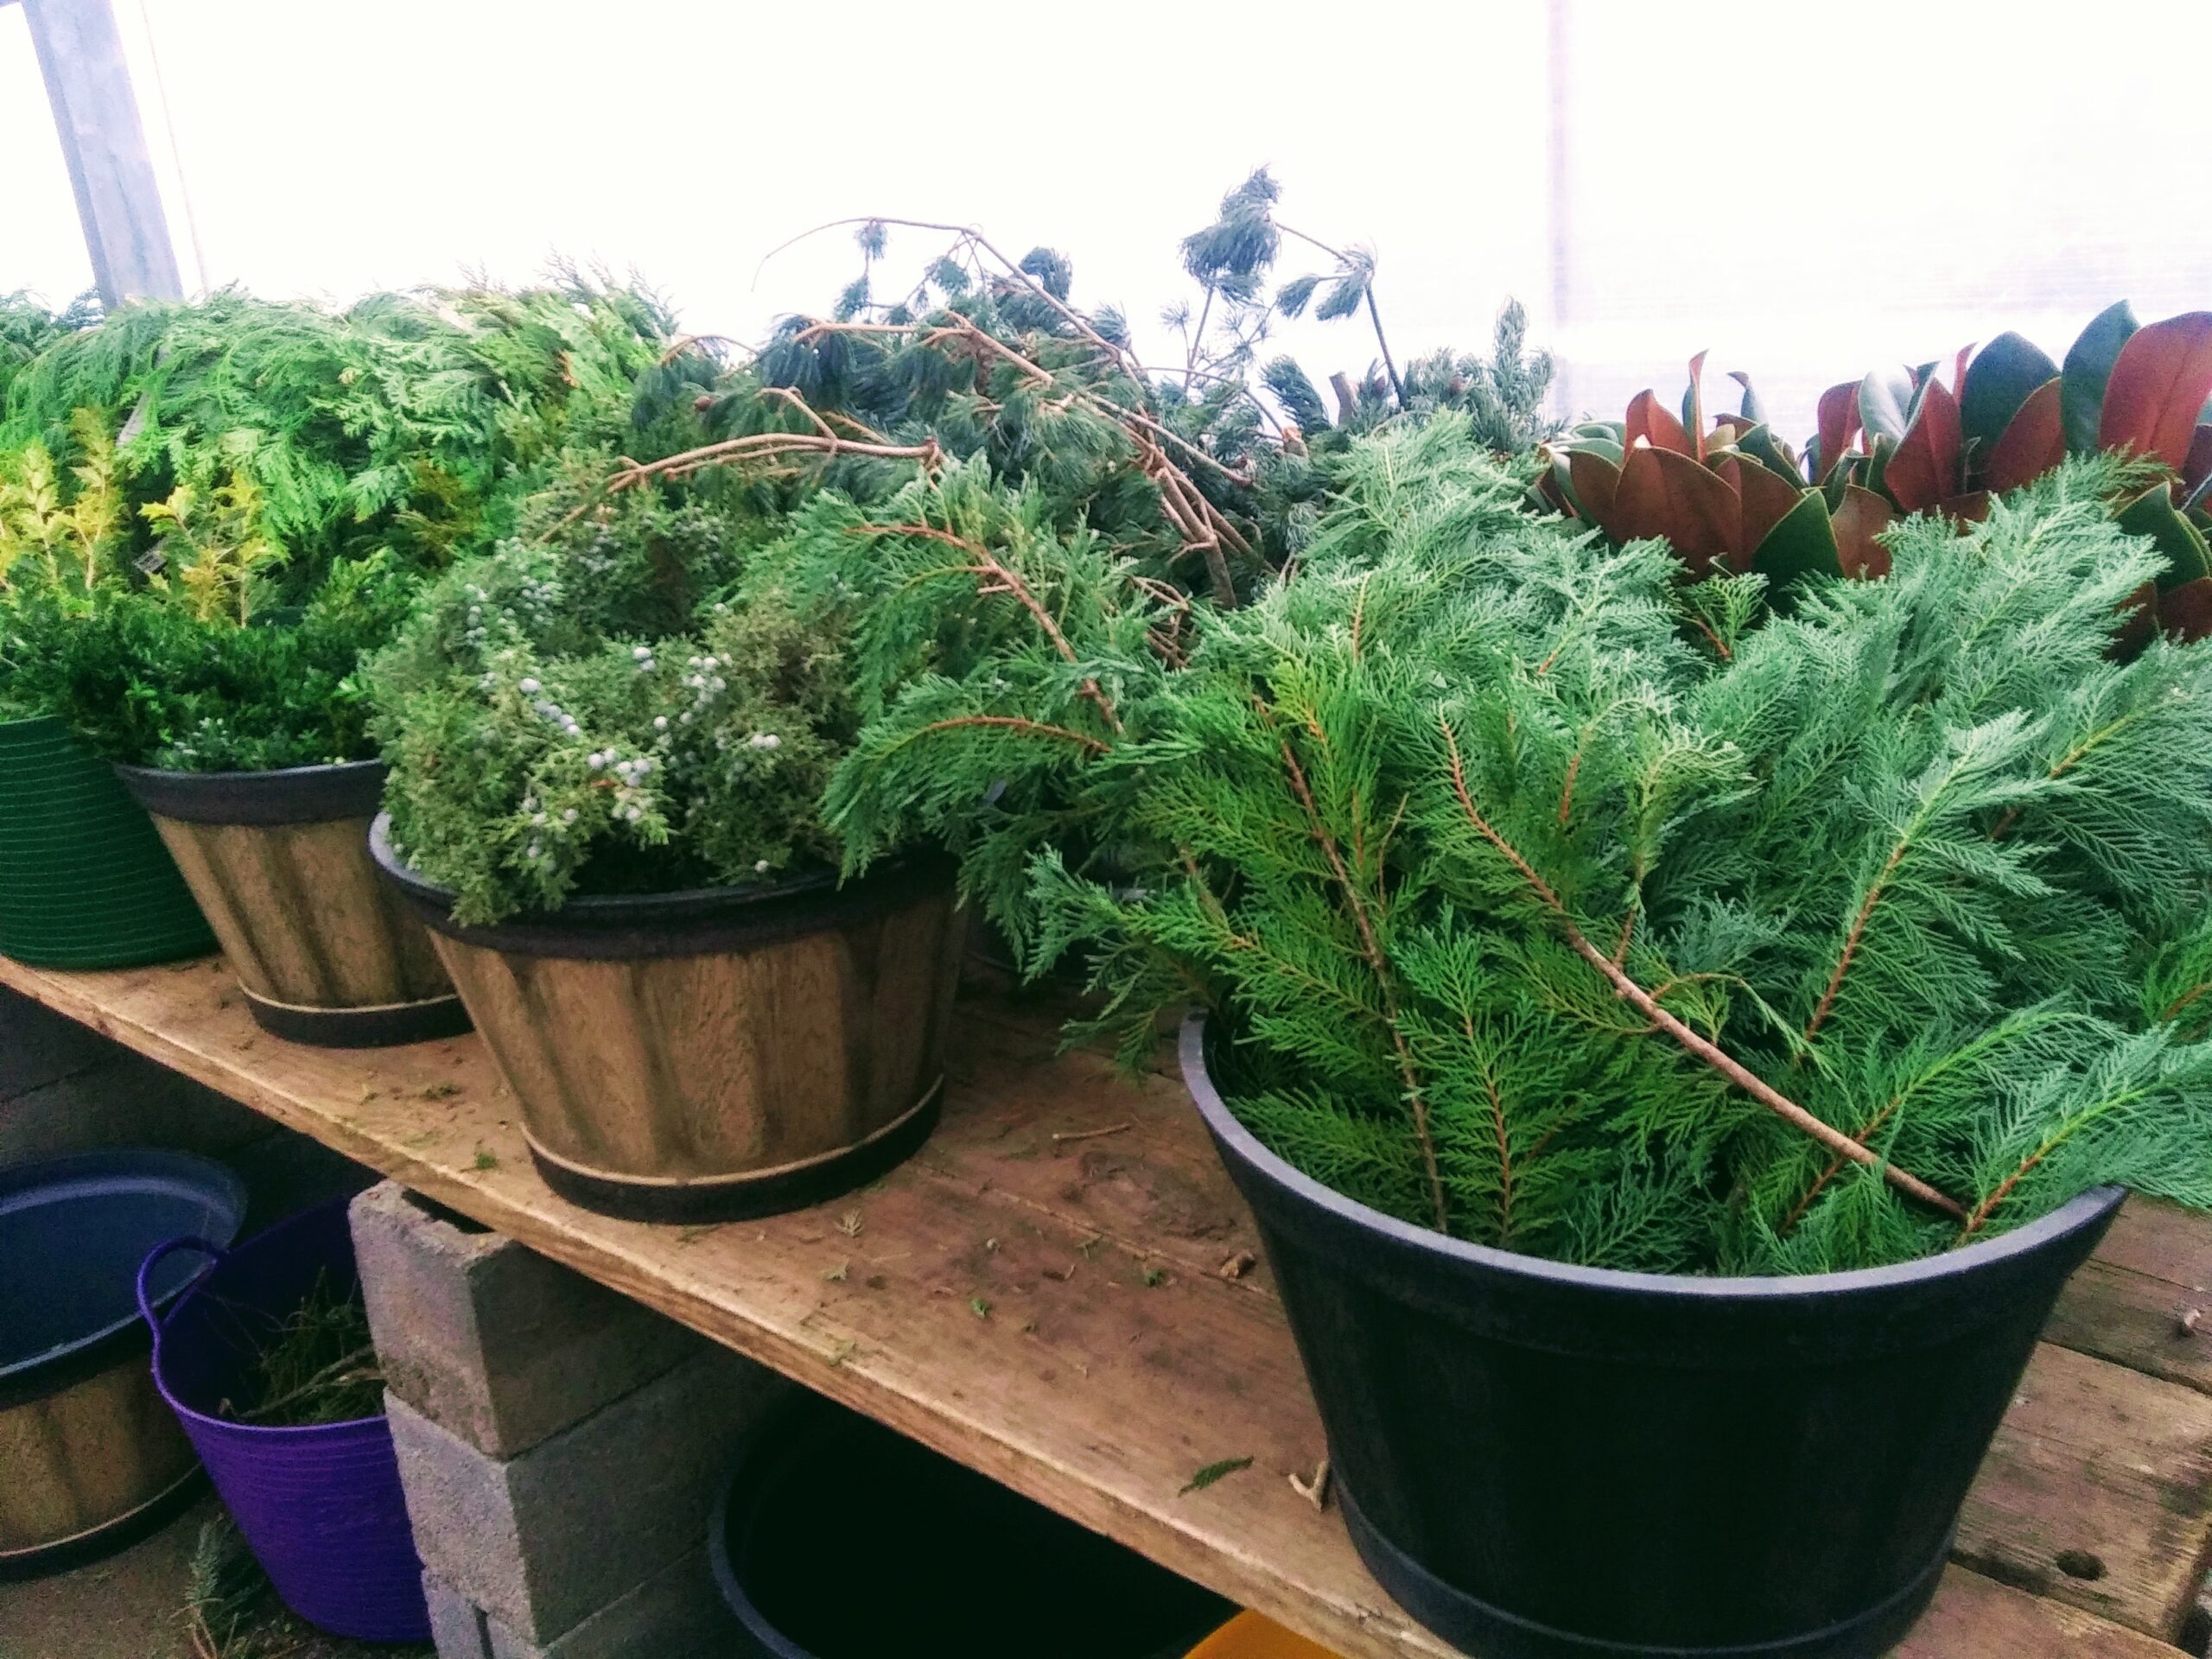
(324, 952)
(90, 1458)
(716, 1054)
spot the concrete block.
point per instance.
(678, 1613)
(490, 1340)
(458, 1627)
(542, 1542)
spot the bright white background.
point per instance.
(1807, 190)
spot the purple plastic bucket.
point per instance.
(320, 1506)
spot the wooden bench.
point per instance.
(1064, 1291)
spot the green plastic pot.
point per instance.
(84, 882)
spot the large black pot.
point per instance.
(1543, 1461)
(838, 1539)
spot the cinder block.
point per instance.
(458, 1626)
(542, 1542)
(490, 1340)
(678, 1613)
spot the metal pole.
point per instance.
(1559, 166)
(95, 113)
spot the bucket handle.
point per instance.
(162, 1252)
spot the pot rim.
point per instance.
(316, 794)
(684, 922)
(203, 1177)
(1221, 1123)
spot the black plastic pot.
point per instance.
(279, 863)
(716, 1054)
(1543, 1461)
(838, 1539)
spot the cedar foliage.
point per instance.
(248, 494)
(1481, 855)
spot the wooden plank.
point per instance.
(1975, 1617)
(2097, 1492)
(1038, 1295)
(96, 115)
(2131, 1305)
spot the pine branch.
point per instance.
(1625, 987)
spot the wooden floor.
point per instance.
(1045, 1293)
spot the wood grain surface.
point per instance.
(1063, 1291)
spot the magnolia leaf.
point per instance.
(2157, 384)
(1880, 450)
(2088, 366)
(1802, 543)
(1694, 407)
(1860, 521)
(1999, 379)
(2186, 611)
(1751, 409)
(1763, 446)
(1594, 479)
(1768, 500)
(1559, 486)
(1650, 420)
(1884, 403)
(2152, 514)
(1663, 493)
(2197, 470)
(1925, 467)
(2032, 443)
(1839, 424)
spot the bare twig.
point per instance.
(1087, 1135)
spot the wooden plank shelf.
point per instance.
(1045, 1293)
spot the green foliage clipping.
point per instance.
(1921, 857)
(248, 493)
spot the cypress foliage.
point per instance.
(208, 511)
(1547, 902)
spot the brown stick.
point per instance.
(1626, 988)
(1012, 722)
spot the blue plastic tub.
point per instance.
(90, 1458)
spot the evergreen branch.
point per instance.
(1202, 526)
(1973, 1223)
(1371, 946)
(759, 446)
(1010, 722)
(1858, 931)
(988, 565)
(1827, 1133)
(2066, 763)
